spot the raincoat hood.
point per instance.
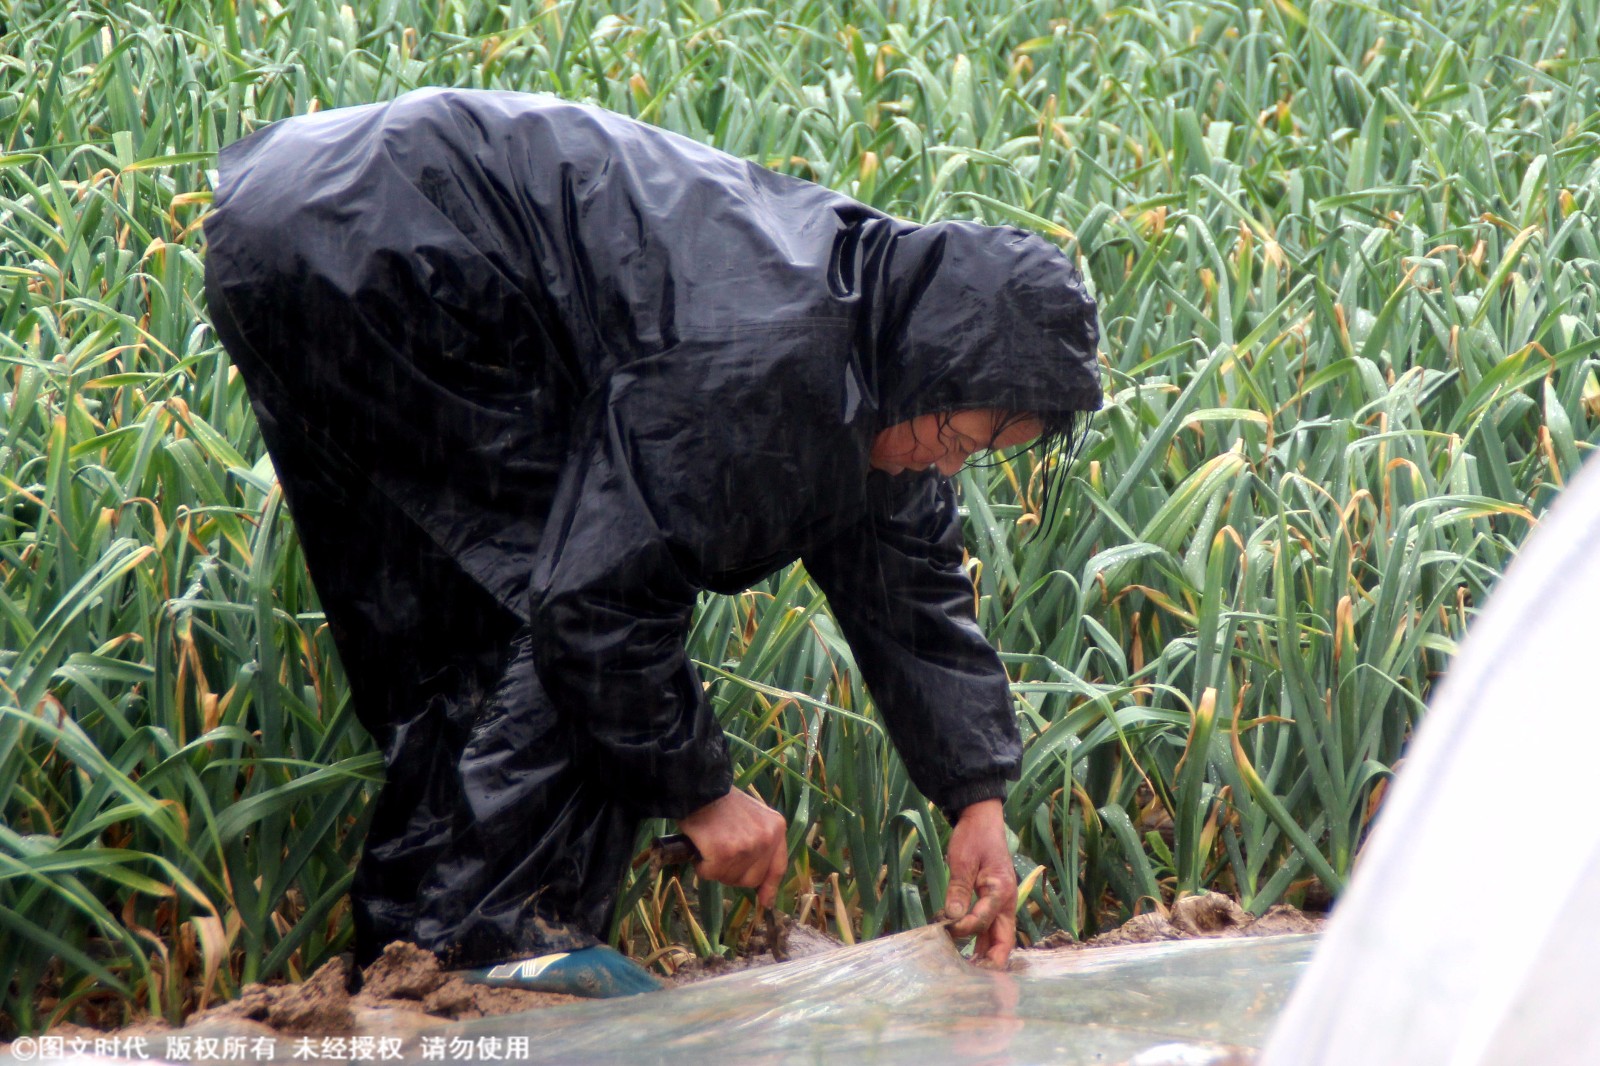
(980, 316)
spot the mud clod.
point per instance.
(450, 1000)
(1056, 940)
(254, 1004)
(1283, 918)
(1140, 929)
(403, 971)
(1209, 914)
(320, 1005)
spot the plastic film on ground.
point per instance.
(908, 999)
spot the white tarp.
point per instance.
(1467, 936)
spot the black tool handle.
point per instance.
(674, 850)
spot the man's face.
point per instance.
(947, 443)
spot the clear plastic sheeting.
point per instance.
(912, 999)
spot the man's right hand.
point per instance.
(742, 842)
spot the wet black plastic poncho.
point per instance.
(532, 376)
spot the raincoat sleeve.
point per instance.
(897, 588)
(610, 610)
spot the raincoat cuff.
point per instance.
(709, 786)
(965, 795)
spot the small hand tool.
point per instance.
(675, 849)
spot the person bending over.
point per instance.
(533, 376)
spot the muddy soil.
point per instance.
(1206, 916)
(405, 990)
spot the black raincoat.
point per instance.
(534, 375)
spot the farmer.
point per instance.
(533, 376)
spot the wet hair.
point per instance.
(1057, 447)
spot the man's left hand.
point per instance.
(980, 864)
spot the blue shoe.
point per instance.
(598, 972)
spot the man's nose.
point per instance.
(952, 463)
